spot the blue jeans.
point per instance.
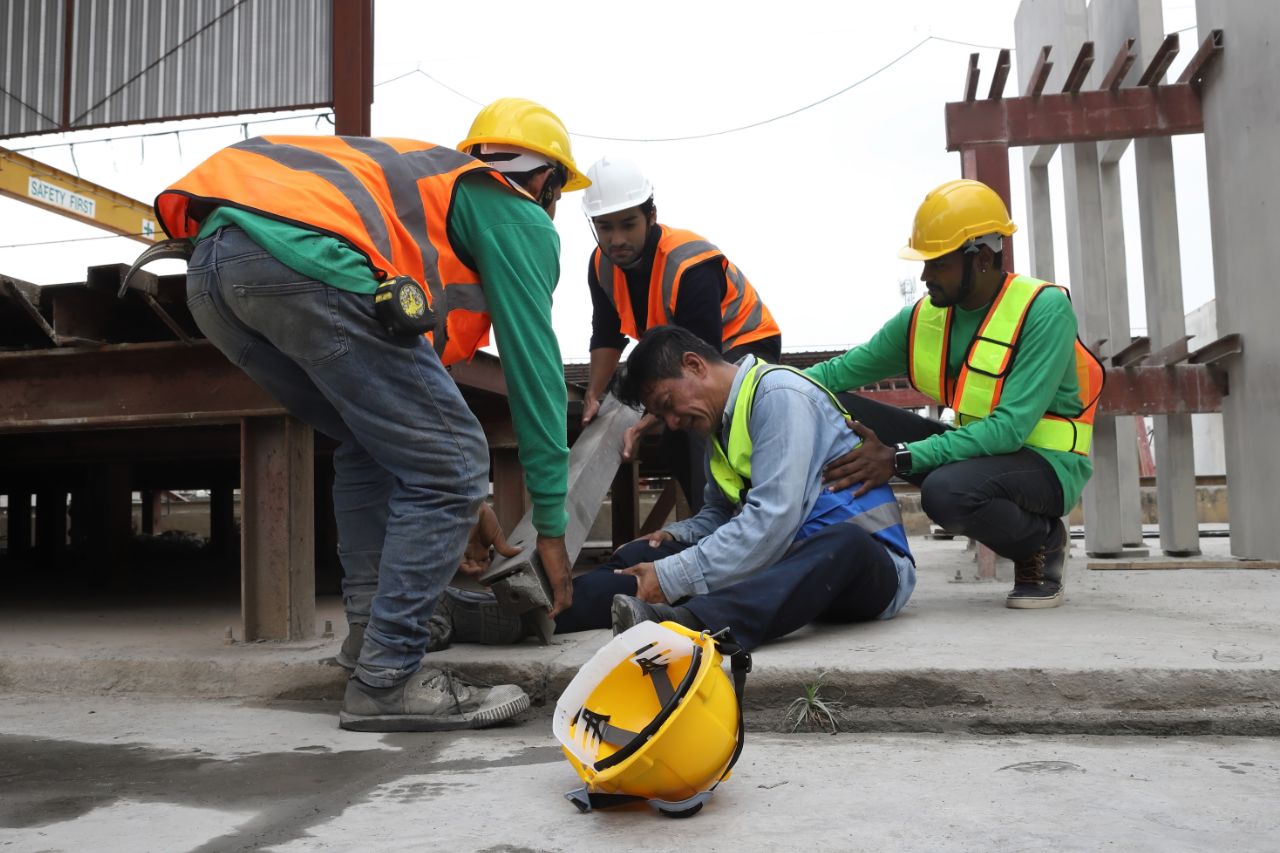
(839, 574)
(412, 464)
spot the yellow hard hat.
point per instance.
(526, 124)
(651, 716)
(953, 214)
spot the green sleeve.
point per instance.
(310, 253)
(1042, 379)
(516, 251)
(883, 356)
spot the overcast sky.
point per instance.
(812, 207)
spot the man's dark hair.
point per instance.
(659, 356)
(646, 208)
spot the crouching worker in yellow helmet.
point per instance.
(1000, 349)
(771, 550)
(343, 274)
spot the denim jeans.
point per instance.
(1009, 503)
(411, 468)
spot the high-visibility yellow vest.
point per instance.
(975, 392)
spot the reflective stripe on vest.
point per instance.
(876, 512)
(389, 199)
(743, 315)
(975, 393)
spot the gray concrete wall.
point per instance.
(1211, 460)
(1242, 152)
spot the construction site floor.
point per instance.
(1193, 651)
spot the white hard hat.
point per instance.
(616, 184)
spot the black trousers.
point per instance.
(1008, 503)
(839, 574)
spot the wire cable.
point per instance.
(325, 114)
(71, 240)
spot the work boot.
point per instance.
(628, 611)
(1037, 580)
(430, 700)
(349, 654)
(477, 618)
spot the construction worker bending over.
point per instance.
(642, 275)
(771, 549)
(294, 235)
(999, 349)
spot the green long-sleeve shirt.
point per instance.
(1042, 379)
(516, 251)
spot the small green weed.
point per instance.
(813, 710)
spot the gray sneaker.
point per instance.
(430, 700)
(1037, 580)
(476, 617)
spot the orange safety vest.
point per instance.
(743, 315)
(975, 393)
(389, 199)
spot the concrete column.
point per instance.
(152, 510)
(1166, 323)
(1117, 289)
(278, 599)
(1242, 154)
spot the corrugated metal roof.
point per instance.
(147, 60)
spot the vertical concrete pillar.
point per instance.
(277, 568)
(1111, 25)
(1166, 324)
(1117, 290)
(152, 511)
(1081, 173)
(1242, 155)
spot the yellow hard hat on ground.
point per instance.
(526, 124)
(653, 718)
(953, 214)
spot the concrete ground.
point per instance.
(131, 773)
(131, 724)
(1173, 652)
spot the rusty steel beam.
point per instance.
(352, 70)
(1179, 390)
(1123, 62)
(971, 78)
(1001, 75)
(21, 323)
(1040, 74)
(1137, 350)
(1092, 116)
(1224, 347)
(1208, 54)
(126, 385)
(1160, 62)
(1079, 69)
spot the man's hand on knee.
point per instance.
(647, 586)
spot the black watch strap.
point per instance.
(901, 460)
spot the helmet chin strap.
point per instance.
(966, 279)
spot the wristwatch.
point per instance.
(901, 460)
